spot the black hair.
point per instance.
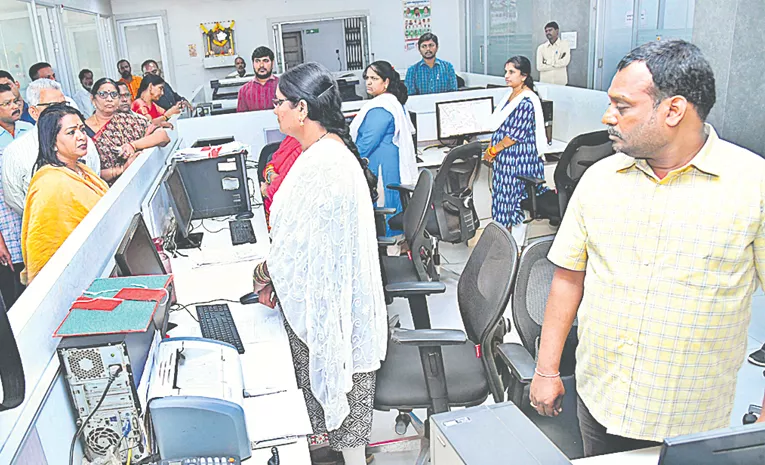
(523, 65)
(426, 37)
(5, 88)
(678, 68)
(83, 72)
(147, 80)
(34, 70)
(314, 84)
(121, 61)
(396, 86)
(6, 75)
(553, 25)
(261, 52)
(48, 127)
(121, 84)
(143, 65)
(100, 83)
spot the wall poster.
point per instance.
(416, 21)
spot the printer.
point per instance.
(225, 93)
(196, 399)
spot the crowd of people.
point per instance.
(644, 304)
(54, 147)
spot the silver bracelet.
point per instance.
(543, 375)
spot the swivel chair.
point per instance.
(266, 153)
(455, 368)
(532, 286)
(582, 152)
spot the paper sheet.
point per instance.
(276, 418)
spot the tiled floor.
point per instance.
(444, 314)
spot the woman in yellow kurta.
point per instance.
(62, 190)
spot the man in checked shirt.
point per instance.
(658, 255)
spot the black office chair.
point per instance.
(402, 274)
(582, 152)
(266, 153)
(460, 82)
(453, 217)
(532, 286)
(438, 369)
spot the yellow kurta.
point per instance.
(57, 201)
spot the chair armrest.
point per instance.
(402, 188)
(518, 359)
(531, 180)
(586, 163)
(384, 211)
(428, 337)
(384, 241)
(415, 288)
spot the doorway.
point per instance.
(293, 49)
(625, 24)
(144, 38)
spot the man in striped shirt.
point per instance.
(259, 93)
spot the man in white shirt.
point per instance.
(241, 69)
(43, 70)
(82, 96)
(553, 57)
(20, 156)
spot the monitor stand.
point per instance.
(193, 241)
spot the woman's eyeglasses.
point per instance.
(278, 101)
(104, 95)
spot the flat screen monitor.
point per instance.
(213, 141)
(728, 446)
(180, 200)
(462, 118)
(136, 254)
(273, 135)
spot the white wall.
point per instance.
(320, 47)
(252, 28)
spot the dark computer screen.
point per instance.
(136, 254)
(736, 445)
(213, 141)
(181, 202)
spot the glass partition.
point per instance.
(83, 48)
(498, 30)
(17, 41)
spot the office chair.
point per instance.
(532, 286)
(455, 368)
(453, 217)
(460, 82)
(582, 152)
(416, 269)
(266, 153)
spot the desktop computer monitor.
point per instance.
(213, 141)
(464, 118)
(180, 201)
(728, 446)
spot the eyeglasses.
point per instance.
(104, 94)
(9, 103)
(125, 96)
(47, 104)
(278, 101)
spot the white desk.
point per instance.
(433, 157)
(648, 456)
(267, 361)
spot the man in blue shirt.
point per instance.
(11, 262)
(7, 78)
(430, 75)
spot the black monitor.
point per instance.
(137, 255)
(180, 200)
(737, 445)
(213, 141)
(464, 118)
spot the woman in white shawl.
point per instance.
(383, 132)
(324, 264)
(516, 146)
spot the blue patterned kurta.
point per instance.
(519, 159)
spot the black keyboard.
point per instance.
(241, 232)
(216, 322)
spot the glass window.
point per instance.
(509, 33)
(17, 50)
(81, 31)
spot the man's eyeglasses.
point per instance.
(47, 104)
(104, 94)
(278, 101)
(9, 103)
(125, 96)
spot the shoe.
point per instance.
(326, 456)
(757, 357)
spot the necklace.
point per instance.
(320, 138)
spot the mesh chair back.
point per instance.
(581, 153)
(266, 153)
(455, 212)
(532, 286)
(483, 292)
(416, 236)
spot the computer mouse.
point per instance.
(245, 216)
(250, 298)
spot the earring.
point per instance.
(301, 122)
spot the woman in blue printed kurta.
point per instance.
(514, 146)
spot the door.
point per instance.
(477, 36)
(83, 45)
(144, 38)
(293, 49)
(498, 30)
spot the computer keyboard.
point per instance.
(241, 232)
(216, 322)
